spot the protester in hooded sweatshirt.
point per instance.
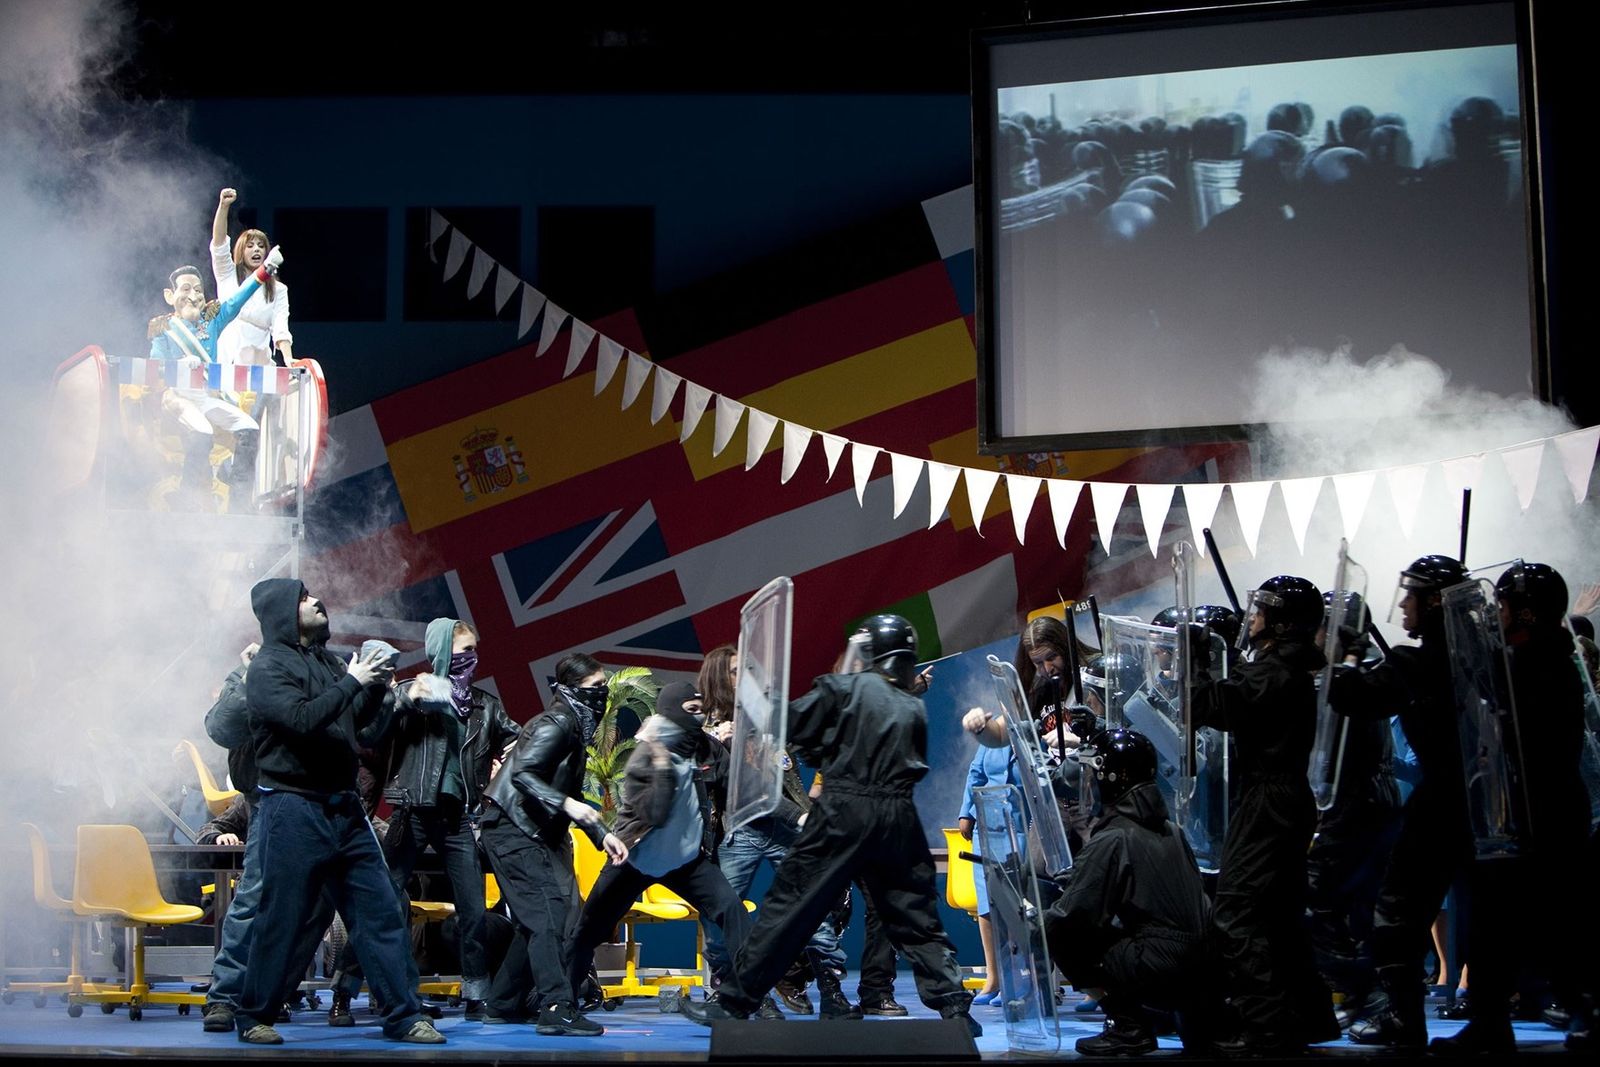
(664, 822)
(446, 734)
(307, 713)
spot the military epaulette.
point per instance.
(158, 326)
(209, 311)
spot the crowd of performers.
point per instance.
(1311, 910)
(1306, 912)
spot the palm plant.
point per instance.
(633, 689)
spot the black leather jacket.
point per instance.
(544, 768)
(421, 742)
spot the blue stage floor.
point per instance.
(636, 1031)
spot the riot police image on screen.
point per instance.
(1268, 704)
(1434, 844)
(1351, 849)
(868, 737)
(1131, 928)
(1506, 940)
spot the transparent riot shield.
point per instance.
(761, 705)
(1486, 715)
(1347, 607)
(1046, 836)
(1147, 691)
(1016, 913)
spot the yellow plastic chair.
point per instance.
(436, 911)
(45, 895)
(587, 863)
(116, 882)
(217, 798)
(491, 893)
(961, 887)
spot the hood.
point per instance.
(1143, 804)
(276, 602)
(436, 643)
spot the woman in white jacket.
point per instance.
(263, 322)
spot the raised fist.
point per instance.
(227, 196)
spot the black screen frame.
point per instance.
(983, 94)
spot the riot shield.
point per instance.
(1016, 913)
(1486, 715)
(1147, 690)
(1347, 607)
(761, 705)
(1046, 836)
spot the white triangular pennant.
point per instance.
(482, 265)
(456, 255)
(695, 399)
(1250, 506)
(633, 380)
(833, 448)
(941, 484)
(980, 487)
(861, 457)
(578, 346)
(532, 301)
(1022, 491)
(905, 471)
(1300, 500)
(1154, 503)
(1405, 487)
(729, 412)
(1353, 491)
(795, 440)
(1200, 500)
(758, 431)
(554, 319)
(1461, 473)
(1522, 467)
(1107, 498)
(1064, 494)
(1576, 450)
(606, 358)
(666, 389)
(436, 227)
(505, 283)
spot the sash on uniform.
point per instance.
(187, 340)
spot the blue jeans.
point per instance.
(739, 857)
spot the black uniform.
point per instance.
(869, 739)
(1434, 844)
(309, 718)
(1135, 917)
(1269, 707)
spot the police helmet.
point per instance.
(1117, 760)
(1536, 588)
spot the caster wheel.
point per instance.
(611, 1003)
(40, 1001)
(183, 1009)
(108, 1009)
(135, 1013)
(8, 997)
(74, 1010)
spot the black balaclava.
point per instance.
(669, 705)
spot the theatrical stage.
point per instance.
(636, 1032)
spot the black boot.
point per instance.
(339, 1013)
(1124, 1035)
(1400, 1023)
(833, 1003)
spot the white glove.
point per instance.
(274, 260)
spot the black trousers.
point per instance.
(541, 892)
(1147, 969)
(877, 838)
(700, 882)
(1260, 913)
(1433, 848)
(1344, 871)
(308, 846)
(877, 955)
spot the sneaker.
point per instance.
(769, 1010)
(882, 1004)
(490, 1018)
(563, 1020)
(708, 1011)
(475, 1011)
(422, 1033)
(1121, 1037)
(216, 1018)
(794, 998)
(339, 1013)
(260, 1034)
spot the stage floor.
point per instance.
(637, 1031)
